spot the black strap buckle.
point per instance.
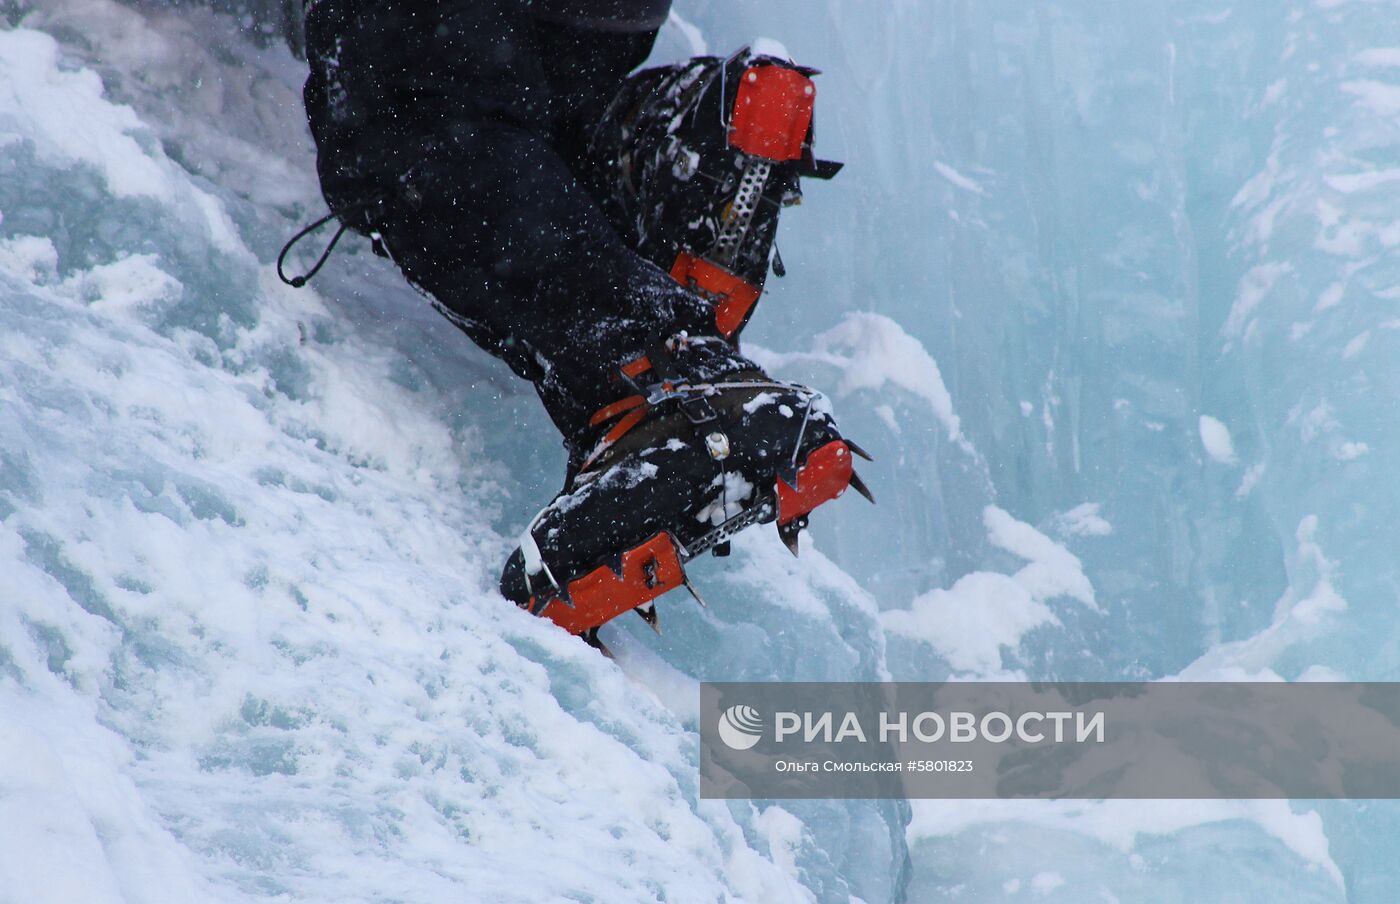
(697, 409)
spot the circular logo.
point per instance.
(740, 726)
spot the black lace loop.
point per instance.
(296, 282)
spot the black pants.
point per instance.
(457, 130)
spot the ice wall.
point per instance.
(1104, 287)
(1149, 248)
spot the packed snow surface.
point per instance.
(1110, 292)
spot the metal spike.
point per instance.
(591, 638)
(788, 534)
(543, 600)
(614, 563)
(685, 578)
(648, 613)
(861, 488)
(850, 444)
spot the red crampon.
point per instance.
(639, 575)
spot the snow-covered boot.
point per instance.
(694, 162)
(671, 471)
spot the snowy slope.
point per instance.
(1107, 289)
(249, 642)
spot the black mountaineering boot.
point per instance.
(693, 164)
(671, 471)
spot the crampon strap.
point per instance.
(634, 409)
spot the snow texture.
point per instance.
(250, 645)
(1215, 437)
